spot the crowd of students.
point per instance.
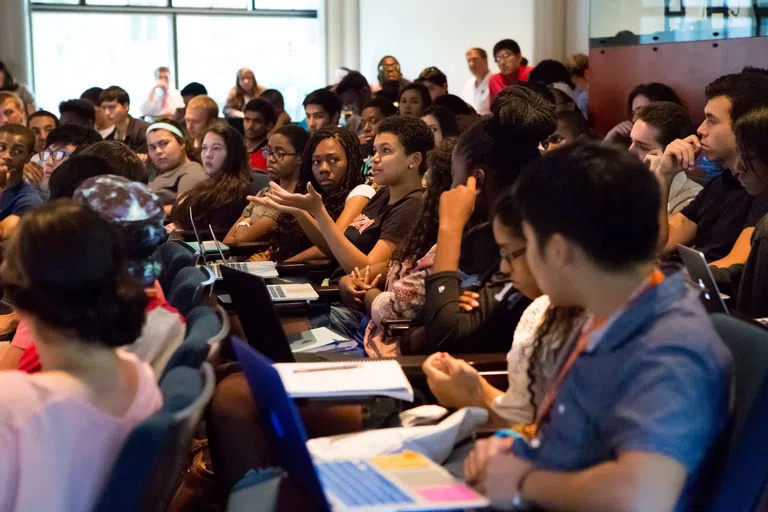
(494, 222)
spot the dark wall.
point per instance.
(686, 67)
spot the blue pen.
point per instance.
(507, 433)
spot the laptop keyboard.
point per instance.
(242, 267)
(357, 484)
(276, 292)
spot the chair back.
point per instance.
(205, 329)
(149, 465)
(739, 463)
(173, 257)
(189, 289)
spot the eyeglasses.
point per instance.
(388, 66)
(56, 155)
(512, 256)
(504, 56)
(279, 155)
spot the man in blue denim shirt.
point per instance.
(639, 403)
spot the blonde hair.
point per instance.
(5, 96)
(206, 103)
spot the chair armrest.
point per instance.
(315, 271)
(396, 327)
(328, 294)
(248, 249)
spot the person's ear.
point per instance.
(335, 119)
(586, 74)
(559, 251)
(415, 159)
(480, 177)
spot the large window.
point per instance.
(79, 44)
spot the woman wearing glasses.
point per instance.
(219, 199)
(283, 156)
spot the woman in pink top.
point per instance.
(62, 429)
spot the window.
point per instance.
(286, 4)
(292, 66)
(132, 3)
(221, 4)
(75, 51)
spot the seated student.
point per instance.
(200, 112)
(258, 122)
(554, 74)
(372, 114)
(465, 115)
(656, 126)
(571, 126)
(493, 152)
(403, 291)
(284, 158)
(330, 164)
(80, 112)
(124, 162)
(721, 220)
(578, 67)
(541, 336)
(11, 109)
(442, 122)
(61, 143)
(176, 169)
(275, 98)
(475, 91)
(639, 97)
(116, 103)
(16, 196)
(218, 200)
(322, 109)
(189, 91)
(435, 81)
(63, 428)
(390, 76)
(602, 440)
(512, 71)
(353, 92)
(41, 123)
(246, 89)
(400, 161)
(8, 84)
(413, 100)
(103, 125)
(137, 214)
(746, 284)
(163, 99)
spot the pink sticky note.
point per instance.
(452, 492)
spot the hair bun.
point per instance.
(521, 112)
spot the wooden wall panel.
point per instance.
(686, 67)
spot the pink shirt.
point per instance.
(56, 448)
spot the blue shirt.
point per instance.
(18, 199)
(658, 380)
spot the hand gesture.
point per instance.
(287, 202)
(260, 256)
(457, 205)
(468, 301)
(454, 382)
(33, 173)
(476, 464)
(680, 155)
(354, 286)
(621, 130)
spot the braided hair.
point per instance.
(289, 239)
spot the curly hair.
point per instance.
(289, 239)
(89, 291)
(231, 184)
(423, 235)
(412, 133)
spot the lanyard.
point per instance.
(531, 430)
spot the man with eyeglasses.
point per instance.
(60, 144)
(17, 145)
(259, 118)
(507, 55)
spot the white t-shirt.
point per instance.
(478, 96)
(361, 190)
(56, 448)
(157, 109)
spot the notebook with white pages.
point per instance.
(354, 378)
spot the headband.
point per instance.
(165, 126)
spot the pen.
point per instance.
(328, 368)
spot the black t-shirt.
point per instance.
(380, 220)
(721, 211)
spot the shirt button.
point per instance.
(560, 409)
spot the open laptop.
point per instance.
(265, 269)
(701, 275)
(407, 481)
(252, 302)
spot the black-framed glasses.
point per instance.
(279, 155)
(512, 255)
(56, 155)
(504, 56)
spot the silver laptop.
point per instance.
(263, 269)
(278, 292)
(701, 275)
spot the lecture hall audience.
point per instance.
(493, 222)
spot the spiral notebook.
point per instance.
(345, 379)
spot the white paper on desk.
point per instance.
(209, 246)
(309, 341)
(354, 378)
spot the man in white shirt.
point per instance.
(163, 99)
(475, 91)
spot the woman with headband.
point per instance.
(176, 170)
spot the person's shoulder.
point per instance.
(361, 190)
(194, 168)
(22, 396)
